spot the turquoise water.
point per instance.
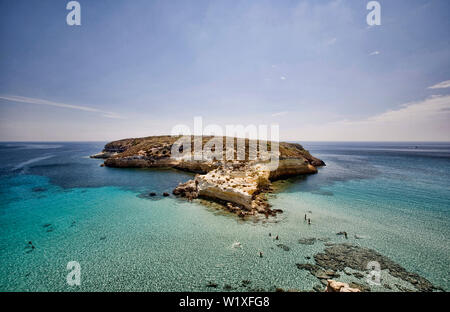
(395, 196)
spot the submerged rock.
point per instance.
(284, 247)
(245, 283)
(39, 189)
(317, 271)
(361, 287)
(227, 287)
(211, 285)
(318, 288)
(341, 256)
(307, 241)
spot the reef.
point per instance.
(340, 257)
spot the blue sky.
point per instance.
(136, 68)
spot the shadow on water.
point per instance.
(338, 169)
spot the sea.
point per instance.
(58, 206)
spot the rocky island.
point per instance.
(239, 185)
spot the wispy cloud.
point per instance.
(331, 41)
(279, 114)
(283, 78)
(441, 85)
(425, 120)
(374, 53)
(35, 101)
(427, 109)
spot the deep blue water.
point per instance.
(396, 196)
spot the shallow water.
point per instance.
(395, 196)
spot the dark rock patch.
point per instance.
(318, 288)
(38, 189)
(149, 196)
(257, 290)
(284, 247)
(317, 271)
(307, 241)
(403, 289)
(245, 283)
(361, 287)
(338, 257)
(29, 247)
(358, 275)
(211, 285)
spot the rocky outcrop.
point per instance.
(238, 184)
(188, 190)
(339, 257)
(334, 286)
(103, 155)
(240, 189)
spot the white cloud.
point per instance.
(425, 120)
(374, 53)
(441, 85)
(283, 78)
(35, 101)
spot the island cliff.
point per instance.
(240, 185)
